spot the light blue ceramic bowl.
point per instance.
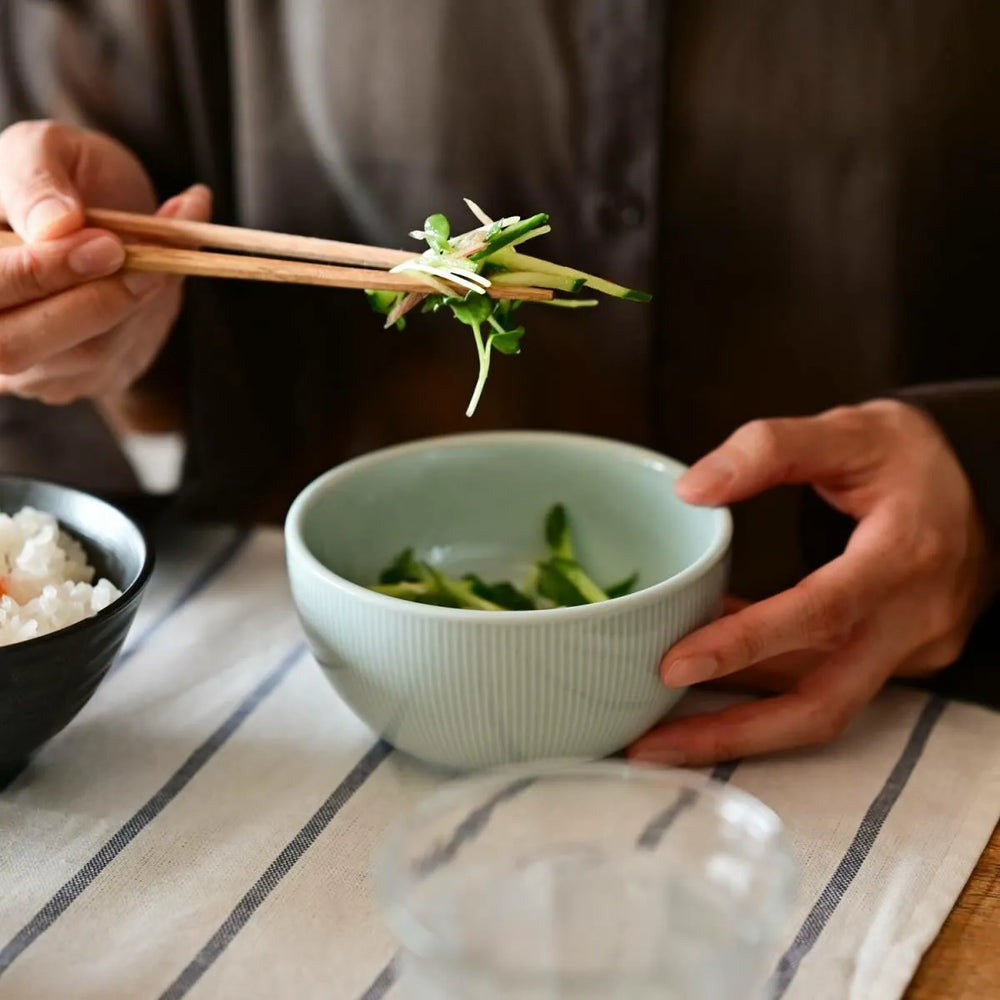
(468, 689)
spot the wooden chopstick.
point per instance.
(180, 232)
(168, 260)
(195, 263)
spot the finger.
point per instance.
(143, 336)
(93, 355)
(37, 270)
(45, 366)
(53, 391)
(936, 653)
(194, 204)
(820, 613)
(815, 712)
(731, 604)
(774, 676)
(105, 364)
(36, 193)
(33, 333)
(767, 453)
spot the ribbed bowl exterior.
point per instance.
(44, 682)
(467, 690)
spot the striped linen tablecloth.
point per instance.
(204, 828)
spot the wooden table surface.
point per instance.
(964, 961)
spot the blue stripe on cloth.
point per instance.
(656, 829)
(132, 827)
(825, 906)
(470, 828)
(382, 983)
(276, 871)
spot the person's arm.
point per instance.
(968, 414)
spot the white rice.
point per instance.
(45, 579)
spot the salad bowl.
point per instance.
(466, 689)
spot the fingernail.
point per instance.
(142, 283)
(689, 670)
(706, 477)
(98, 256)
(45, 215)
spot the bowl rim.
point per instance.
(297, 547)
(119, 603)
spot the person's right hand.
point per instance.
(72, 324)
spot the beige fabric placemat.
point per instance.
(204, 828)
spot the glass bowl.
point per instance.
(599, 880)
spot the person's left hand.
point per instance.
(900, 600)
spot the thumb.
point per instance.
(731, 604)
(37, 195)
(825, 449)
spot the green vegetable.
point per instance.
(383, 303)
(557, 588)
(570, 303)
(557, 532)
(506, 595)
(438, 229)
(504, 237)
(458, 270)
(507, 341)
(427, 585)
(622, 587)
(403, 567)
(514, 259)
(559, 579)
(461, 592)
(537, 279)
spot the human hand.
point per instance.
(900, 600)
(72, 324)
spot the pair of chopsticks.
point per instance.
(313, 263)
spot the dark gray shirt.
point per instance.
(808, 188)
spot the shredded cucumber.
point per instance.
(515, 260)
(537, 279)
(459, 271)
(556, 579)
